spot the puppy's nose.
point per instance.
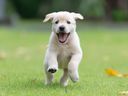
(61, 28)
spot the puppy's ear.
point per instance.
(77, 16)
(49, 16)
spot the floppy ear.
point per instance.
(77, 16)
(49, 16)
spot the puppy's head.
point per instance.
(63, 23)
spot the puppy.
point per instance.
(64, 49)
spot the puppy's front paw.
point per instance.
(52, 70)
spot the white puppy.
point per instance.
(64, 49)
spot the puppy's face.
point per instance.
(63, 24)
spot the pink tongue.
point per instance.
(62, 37)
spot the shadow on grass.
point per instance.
(38, 84)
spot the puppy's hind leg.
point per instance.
(73, 67)
(64, 78)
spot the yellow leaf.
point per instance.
(112, 72)
(125, 75)
(123, 93)
(3, 55)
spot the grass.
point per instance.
(21, 71)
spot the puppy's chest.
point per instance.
(64, 56)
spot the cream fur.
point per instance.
(66, 56)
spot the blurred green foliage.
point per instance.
(116, 10)
(27, 8)
(92, 8)
(119, 15)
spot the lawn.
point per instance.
(21, 62)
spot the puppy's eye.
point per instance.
(57, 22)
(68, 22)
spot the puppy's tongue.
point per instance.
(62, 37)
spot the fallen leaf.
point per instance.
(21, 51)
(112, 72)
(123, 93)
(3, 55)
(125, 75)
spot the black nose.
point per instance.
(61, 28)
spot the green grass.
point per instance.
(21, 71)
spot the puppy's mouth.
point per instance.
(62, 37)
